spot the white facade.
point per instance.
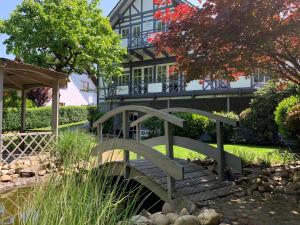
(80, 90)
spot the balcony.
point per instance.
(139, 41)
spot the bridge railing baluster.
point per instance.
(125, 129)
(220, 148)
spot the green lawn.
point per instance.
(253, 154)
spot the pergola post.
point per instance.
(55, 108)
(1, 111)
(23, 111)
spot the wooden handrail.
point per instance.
(189, 110)
(137, 108)
(169, 166)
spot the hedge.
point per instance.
(41, 117)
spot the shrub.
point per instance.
(258, 124)
(41, 117)
(293, 120)
(12, 100)
(94, 115)
(281, 114)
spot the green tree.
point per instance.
(70, 36)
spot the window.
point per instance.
(136, 30)
(160, 25)
(148, 75)
(125, 32)
(161, 73)
(137, 75)
(123, 79)
(85, 86)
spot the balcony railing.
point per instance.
(141, 40)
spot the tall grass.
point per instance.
(84, 197)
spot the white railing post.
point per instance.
(138, 136)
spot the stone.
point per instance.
(261, 188)
(12, 166)
(267, 195)
(211, 168)
(256, 194)
(5, 178)
(160, 219)
(296, 176)
(187, 220)
(184, 212)
(139, 220)
(209, 217)
(5, 167)
(11, 171)
(224, 224)
(167, 208)
(15, 176)
(42, 173)
(192, 207)
(173, 217)
(28, 172)
(4, 172)
(145, 213)
(26, 162)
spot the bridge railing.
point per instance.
(224, 160)
(166, 163)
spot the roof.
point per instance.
(122, 6)
(19, 75)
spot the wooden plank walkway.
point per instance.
(198, 185)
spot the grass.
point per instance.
(84, 196)
(248, 153)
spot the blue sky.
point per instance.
(7, 6)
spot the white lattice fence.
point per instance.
(18, 145)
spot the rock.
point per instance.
(5, 178)
(261, 188)
(211, 168)
(5, 167)
(160, 219)
(296, 176)
(173, 217)
(4, 172)
(184, 212)
(42, 173)
(15, 176)
(26, 163)
(187, 220)
(192, 207)
(145, 213)
(267, 196)
(12, 166)
(256, 194)
(11, 171)
(224, 224)
(139, 220)
(28, 172)
(209, 217)
(167, 208)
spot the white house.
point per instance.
(80, 90)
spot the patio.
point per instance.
(24, 77)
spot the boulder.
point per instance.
(209, 217)
(139, 220)
(187, 220)
(28, 172)
(42, 173)
(173, 217)
(5, 178)
(184, 212)
(160, 219)
(4, 172)
(167, 208)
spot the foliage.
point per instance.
(257, 123)
(233, 38)
(40, 96)
(85, 195)
(74, 146)
(41, 117)
(95, 115)
(70, 36)
(281, 113)
(293, 120)
(12, 100)
(196, 126)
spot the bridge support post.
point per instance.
(125, 129)
(100, 133)
(138, 136)
(170, 154)
(220, 148)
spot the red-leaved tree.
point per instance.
(40, 96)
(233, 38)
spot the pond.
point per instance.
(13, 205)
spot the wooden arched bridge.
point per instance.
(164, 175)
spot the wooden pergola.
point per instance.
(24, 77)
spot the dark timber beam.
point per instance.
(136, 55)
(165, 53)
(149, 53)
